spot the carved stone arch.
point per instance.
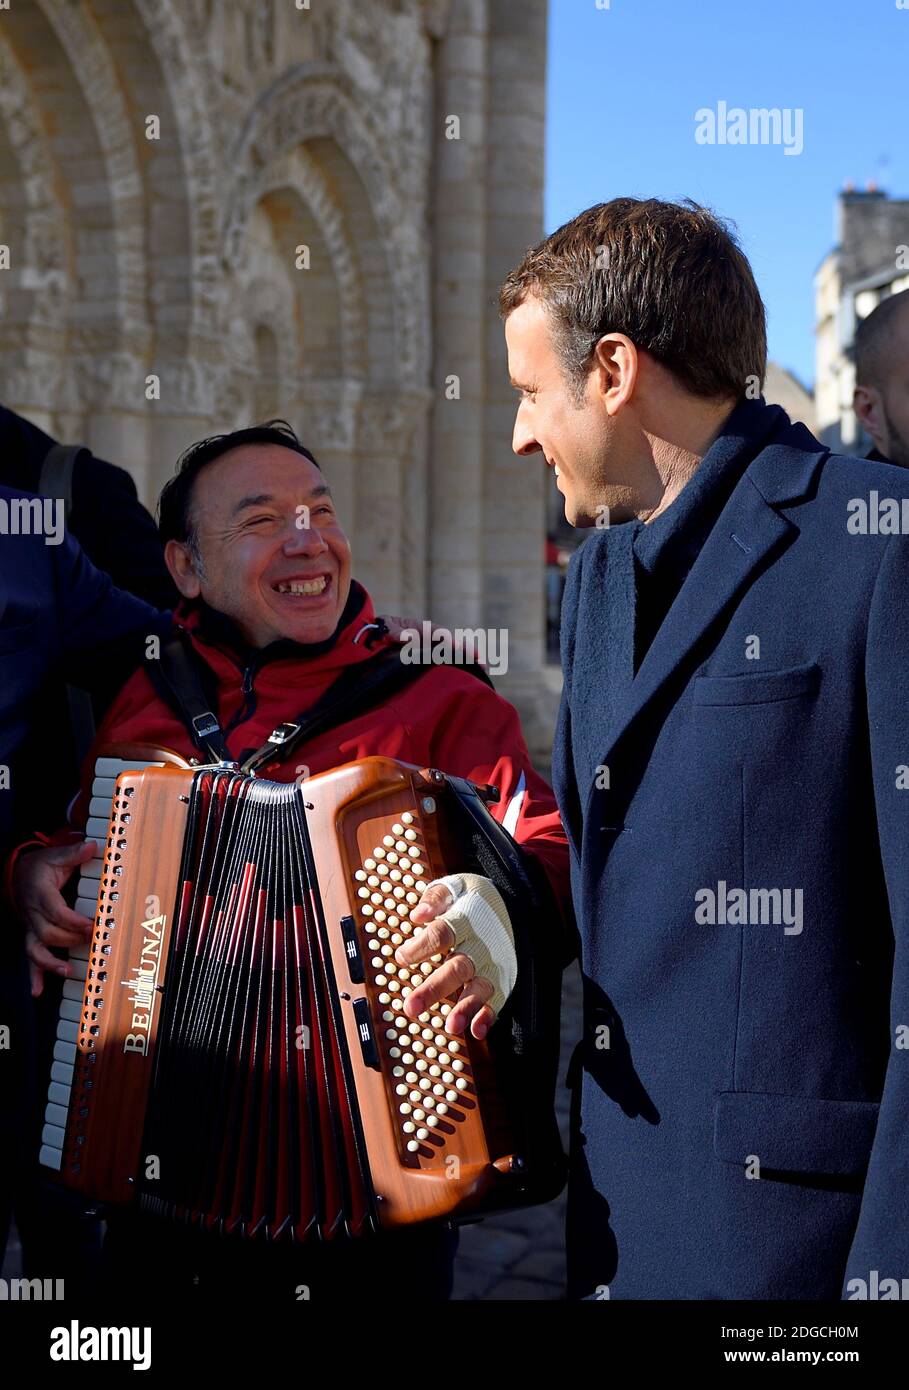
(81, 107)
(171, 35)
(262, 348)
(303, 105)
(266, 305)
(78, 172)
(160, 52)
(87, 43)
(299, 200)
(35, 290)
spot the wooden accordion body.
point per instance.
(240, 1058)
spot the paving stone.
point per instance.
(525, 1290)
(473, 1280)
(496, 1247)
(531, 1221)
(545, 1265)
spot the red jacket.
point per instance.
(447, 719)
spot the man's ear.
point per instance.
(182, 565)
(617, 364)
(867, 404)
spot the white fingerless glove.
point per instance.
(482, 931)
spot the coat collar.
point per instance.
(354, 639)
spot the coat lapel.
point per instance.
(749, 532)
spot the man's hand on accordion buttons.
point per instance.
(463, 928)
(38, 878)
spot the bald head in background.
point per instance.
(881, 400)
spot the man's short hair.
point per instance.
(872, 339)
(175, 522)
(671, 277)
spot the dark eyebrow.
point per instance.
(256, 500)
(261, 499)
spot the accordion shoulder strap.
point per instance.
(179, 677)
(357, 689)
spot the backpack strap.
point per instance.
(56, 477)
(56, 480)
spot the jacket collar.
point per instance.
(669, 545)
(356, 633)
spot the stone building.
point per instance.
(869, 262)
(220, 210)
(782, 387)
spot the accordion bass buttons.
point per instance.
(425, 1094)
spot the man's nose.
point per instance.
(523, 440)
(304, 540)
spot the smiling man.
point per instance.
(733, 729)
(226, 530)
(271, 620)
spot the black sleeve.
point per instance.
(117, 533)
(110, 523)
(102, 632)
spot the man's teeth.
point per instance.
(303, 586)
(556, 470)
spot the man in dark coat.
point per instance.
(58, 614)
(116, 532)
(732, 765)
(119, 537)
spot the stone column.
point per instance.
(460, 279)
(513, 488)
(327, 416)
(385, 434)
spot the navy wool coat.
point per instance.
(741, 1093)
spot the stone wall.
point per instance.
(221, 210)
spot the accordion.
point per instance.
(234, 1052)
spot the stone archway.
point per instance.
(36, 288)
(366, 413)
(112, 288)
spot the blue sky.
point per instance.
(624, 85)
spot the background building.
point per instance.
(782, 387)
(221, 210)
(869, 262)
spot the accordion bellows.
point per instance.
(240, 1058)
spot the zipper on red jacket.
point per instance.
(248, 707)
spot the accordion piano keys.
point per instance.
(107, 770)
